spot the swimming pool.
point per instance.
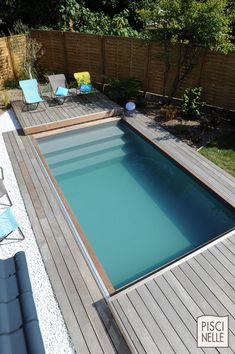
(138, 209)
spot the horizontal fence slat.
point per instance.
(121, 57)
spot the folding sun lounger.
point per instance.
(59, 87)
(84, 82)
(31, 92)
(8, 225)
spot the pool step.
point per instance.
(69, 141)
(93, 161)
(81, 152)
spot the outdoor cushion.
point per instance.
(82, 77)
(61, 91)
(85, 88)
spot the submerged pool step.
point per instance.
(83, 152)
(56, 144)
(92, 161)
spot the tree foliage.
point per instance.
(202, 23)
(206, 22)
(194, 26)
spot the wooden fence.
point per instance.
(12, 56)
(68, 52)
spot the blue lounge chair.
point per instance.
(31, 92)
(8, 224)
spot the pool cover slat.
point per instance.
(19, 327)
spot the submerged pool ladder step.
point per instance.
(74, 140)
(82, 152)
(93, 161)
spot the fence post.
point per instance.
(103, 67)
(12, 63)
(146, 79)
(66, 70)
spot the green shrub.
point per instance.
(11, 84)
(29, 67)
(192, 104)
(4, 99)
(170, 112)
(122, 90)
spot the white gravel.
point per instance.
(54, 333)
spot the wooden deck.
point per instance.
(75, 110)
(156, 315)
(159, 314)
(86, 314)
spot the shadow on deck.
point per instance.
(75, 110)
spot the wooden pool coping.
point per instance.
(71, 215)
(155, 136)
(160, 313)
(83, 306)
(150, 311)
(202, 169)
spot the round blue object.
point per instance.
(130, 106)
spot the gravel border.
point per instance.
(54, 333)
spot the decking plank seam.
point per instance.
(29, 162)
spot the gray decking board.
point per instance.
(149, 313)
(208, 173)
(51, 115)
(86, 314)
(201, 285)
(175, 299)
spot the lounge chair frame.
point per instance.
(55, 81)
(3, 191)
(21, 235)
(20, 238)
(27, 104)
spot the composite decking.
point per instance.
(156, 315)
(86, 314)
(75, 110)
(159, 314)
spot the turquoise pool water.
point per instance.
(137, 208)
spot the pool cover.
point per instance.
(19, 328)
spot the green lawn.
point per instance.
(222, 152)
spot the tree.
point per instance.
(192, 26)
(28, 69)
(32, 13)
(69, 10)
